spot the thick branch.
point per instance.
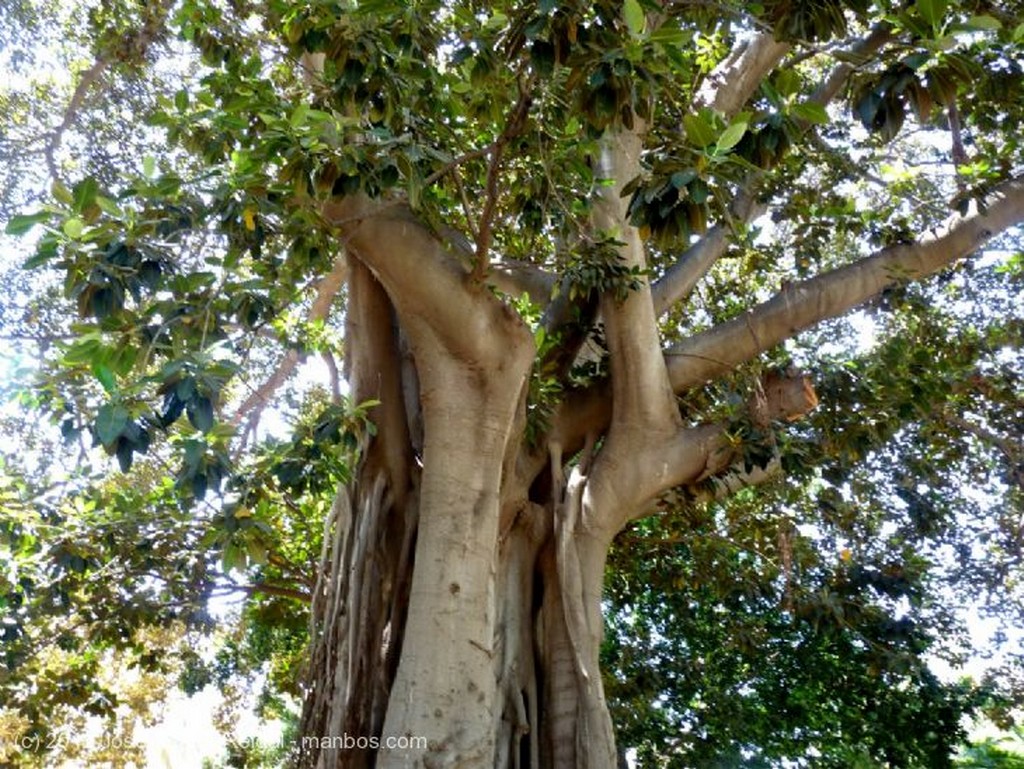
(510, 276)
(641, 396)
(858, 54)
(682, 277)
(424, 278)
(680, 280)
(517, 278)
(799, 306)
(374, 370)
(694, 454)
(734, 81)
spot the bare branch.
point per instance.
(1010, 450)
(89, 78)
(456, 162)
(799, 306)
(514, 127)
(253, 406)
(326, 291)
(134, 47)
(467, 209)
(333, 373)
(957, 151)
(278, 591)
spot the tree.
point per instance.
(989, 753)
(563, 312)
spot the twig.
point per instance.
(514, 127)
(958, 152)
(278, 591)
(89, 77)
(465, 157)
(466, 207)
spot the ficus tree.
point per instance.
(568, 263)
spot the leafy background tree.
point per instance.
(189, 187)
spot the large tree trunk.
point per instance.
(457, 620)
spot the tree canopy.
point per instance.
(379, 312)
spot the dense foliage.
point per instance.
(163, 185)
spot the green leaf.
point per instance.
(256, 551)
(185, 389)
(984, 23)
(149, 166)
(73, 228)
(496, 21)
(193, 455)
(867, 108)
(39, 258)
(699, 191)
(111, 421)
(105, 376)
(671, 34)
(698, 130)
(542, 56)
(810, 112)
(19, 225)
(85, 194)
(681, 179)
(299, 115)
(108, 206)
(69, 430)
(932, 11)
(199, 485)
(124, 454)
(634, 16)
(61, 193)
(85, 349)
(200, 413)
(787, 83)
(234, 557)
(731, 136)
